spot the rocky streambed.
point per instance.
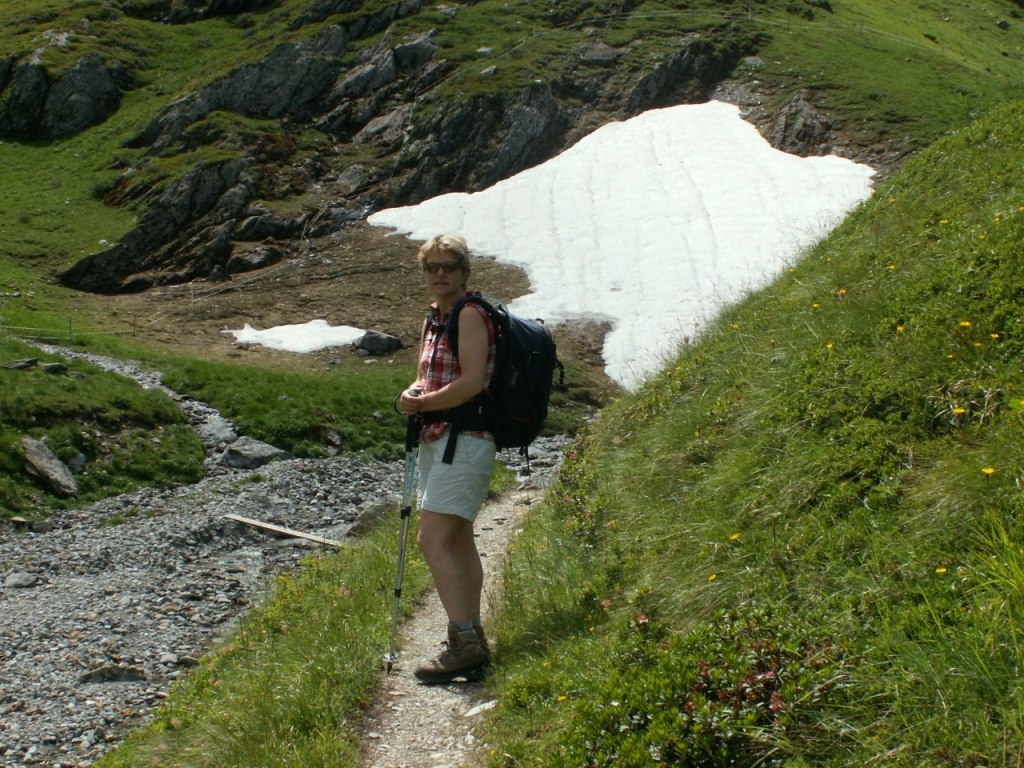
(101, 608)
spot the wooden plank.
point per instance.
(284, 531)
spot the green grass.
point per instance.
(802, 493)
(801, 543)
(358, 405)
(129, 436)
(288, 686)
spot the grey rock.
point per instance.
(42, 464)
(800, 129)
(246, 453)
(598, 52)
(21, 580)
(112, 673)
(21, 365)
(377, 343)
(57, 369)
(217, 430)
(374, 515)
(76, 463)
(86, 96)
(416, 51)
(258, 258)
(387, 130)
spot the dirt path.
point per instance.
(435, 726)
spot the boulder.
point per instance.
(85, 96)
(21, 580)
(416, 51)
(598, 52)
(377, 343)
(246, 453)
(258, 258)
(44, 466)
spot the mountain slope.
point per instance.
(801, 543)
(176, 137)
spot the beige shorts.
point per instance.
(458, 488)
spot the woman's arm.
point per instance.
(474, 342)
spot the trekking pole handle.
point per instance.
(412, 432)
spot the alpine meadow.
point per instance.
(801, 543)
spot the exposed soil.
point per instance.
(360, 277)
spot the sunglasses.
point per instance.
(445, 266)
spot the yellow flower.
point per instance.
(829, 345)
(977, 343)
(735, 327)
(712, 577)
(994, 335)
(815, 305)
(892, 266)
(842, 291)
(958, 411)
(734, 537)
(988, 471)
(940, 570)
(899, 329)
(949, 357)
(965, 323)
(562, 698)
(944, 221)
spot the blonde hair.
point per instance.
(453, 245)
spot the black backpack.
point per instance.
(513, 407)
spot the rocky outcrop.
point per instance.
(687, 75)
(32, 107)
(411, 145)
(800, 129)
(290, 81)
(185, 233)
(176, 13)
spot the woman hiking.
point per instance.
(445, 397)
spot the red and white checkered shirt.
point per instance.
(436, 372)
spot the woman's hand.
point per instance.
(411, 402)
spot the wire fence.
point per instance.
(67, 334)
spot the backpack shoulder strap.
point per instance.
(451, 327)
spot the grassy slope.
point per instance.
(819, 557)
(856, 60)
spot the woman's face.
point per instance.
(445, 278)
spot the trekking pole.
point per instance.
(411, 439)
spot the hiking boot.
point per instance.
(463, 656)
(483, 641)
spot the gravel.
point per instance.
(101, 608)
